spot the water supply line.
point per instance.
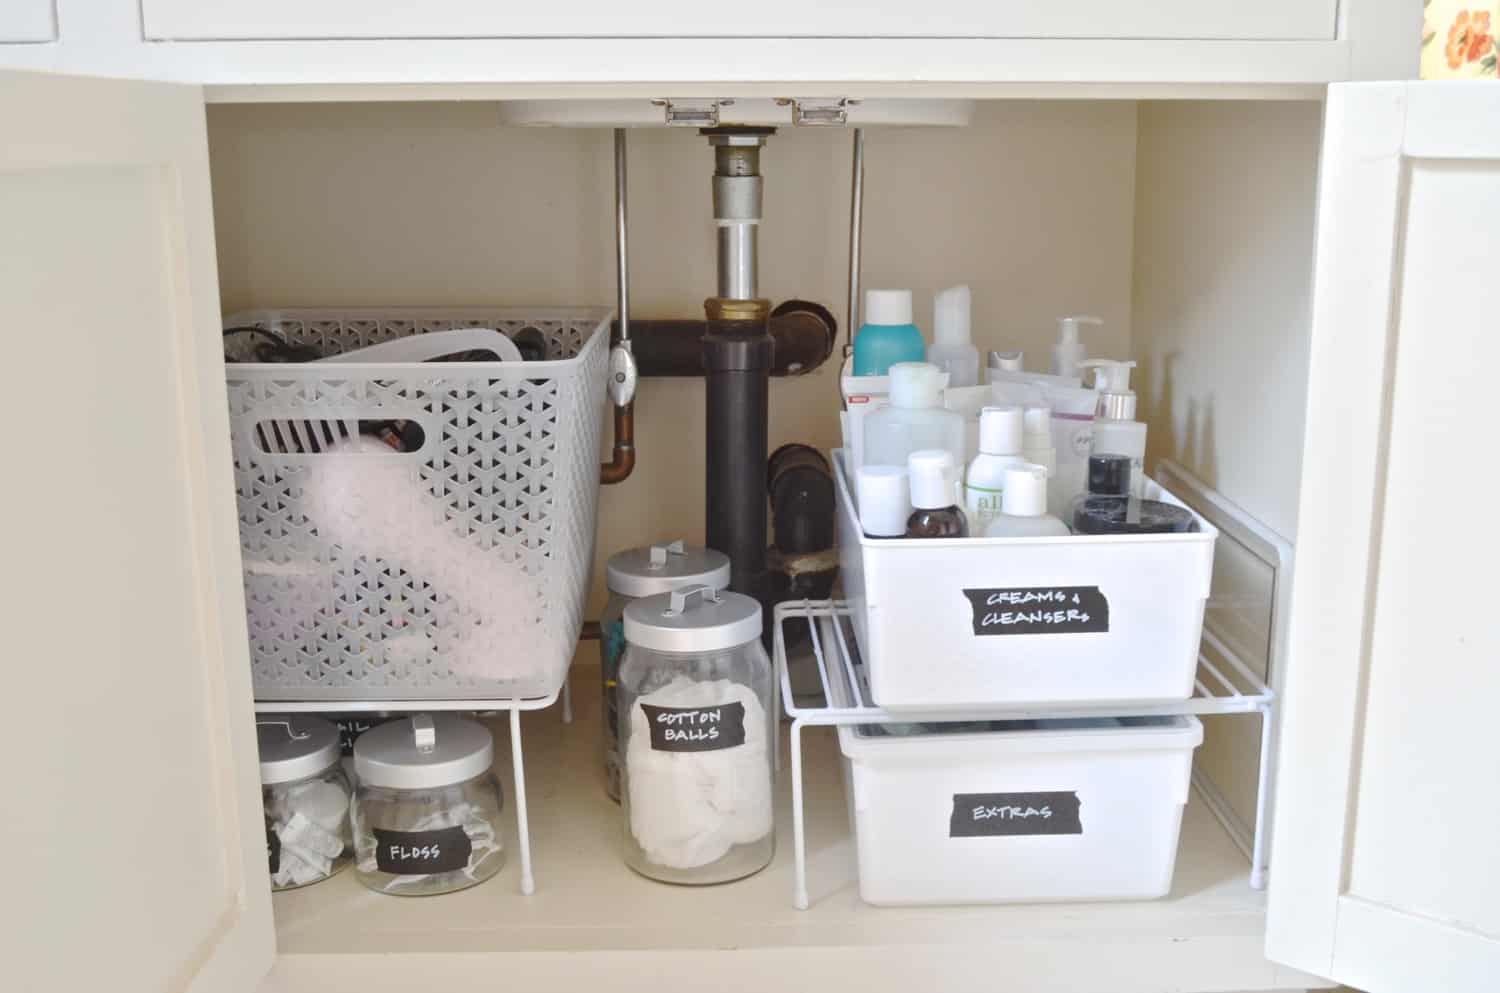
(622, 369)
(856, 233)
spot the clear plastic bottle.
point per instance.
(952, 349)
(698, 723)
(914, 419)
(1116, 431)
(1024, 507)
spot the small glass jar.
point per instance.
(630, 575)
(427, 808)
(697, 727)
(306, 798)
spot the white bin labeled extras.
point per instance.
(955, 624)
(1019, 811)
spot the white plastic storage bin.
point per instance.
(454, 570)
(1019, 812)
(950, 624)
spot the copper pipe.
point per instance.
(622, 460)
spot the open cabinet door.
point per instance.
(133, 837)
(1386, 864)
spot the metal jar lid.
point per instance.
(638, 572)
(422, 752)
(692, 619)
(294, 746)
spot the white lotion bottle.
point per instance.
(952, 349)
(914, 419)
(1116, 431)
(1024, 507)
(1001, 438)
(1069, 352)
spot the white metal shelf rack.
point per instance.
(514, 707)
(1230, 687)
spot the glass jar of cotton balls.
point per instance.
(696, 728)
(306, 798)
(426, 811)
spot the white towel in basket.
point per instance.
(372, 502)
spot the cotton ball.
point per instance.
(687, 809)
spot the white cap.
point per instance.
(931, 471)
(887, 306)
(1001, 430)
(950, 316)
(916, 384)
(1037, 424)
(1025, 491)
(1069, 351)
(884, 497)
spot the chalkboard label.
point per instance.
(696, 729)
(273, 847)
(999, 815)
(351, 728)
(1039, 610)
(418, 853)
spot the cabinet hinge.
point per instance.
(692, 113)
(819, 112)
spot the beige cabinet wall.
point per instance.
(391, 204)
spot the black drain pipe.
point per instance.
(737, 355)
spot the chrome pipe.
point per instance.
(622, 254)
(856, 223)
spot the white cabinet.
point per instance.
(295, 49)
(27, 21)
(125, 599)
(1385, 856)
(135, 813)
(1265, 20)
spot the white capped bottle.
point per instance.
(915, 418)
(1116, 431)
(1001, 438)
(952, 350)
(1024, 507)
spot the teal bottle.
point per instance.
(888, 336)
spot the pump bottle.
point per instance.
(1068, 354)
(952, 350)
(1116, 431)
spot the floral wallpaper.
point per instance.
(1458, 39)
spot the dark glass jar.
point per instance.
(934, 497)
(942, 522)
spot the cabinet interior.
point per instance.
(1187, 226)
